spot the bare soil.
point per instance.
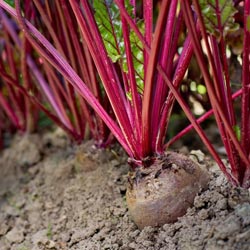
(57, 196)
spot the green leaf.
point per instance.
(109, 24)
(237, 131)
(10, 2)
(138, 58)
(107, 16)
(224, 12)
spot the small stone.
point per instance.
(243, 211)
(134, 234)
(242, 236)
(229, 227)
(147, 243)
(57, 139)
(50, 244)
(133, 245)
(65, 237)
(199, 202)
(203, 214)
(221, 204)
(28, 152)
(4, 228)
(49, 205)
(197, 155)
(15, 236)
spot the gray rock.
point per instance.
(243, 211)
(15, 236)
(229, 227)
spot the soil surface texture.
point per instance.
(57, 196)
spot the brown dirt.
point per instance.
(57, 196)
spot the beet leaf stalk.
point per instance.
(17, 108)
(215, 19)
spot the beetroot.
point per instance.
(163, 192)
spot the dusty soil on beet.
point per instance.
(57, 196)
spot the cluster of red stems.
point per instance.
(53, 58)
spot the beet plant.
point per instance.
(140, 66)
(17, 111)
(25, 75)
(216, 21)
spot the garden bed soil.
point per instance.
(57, 196)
